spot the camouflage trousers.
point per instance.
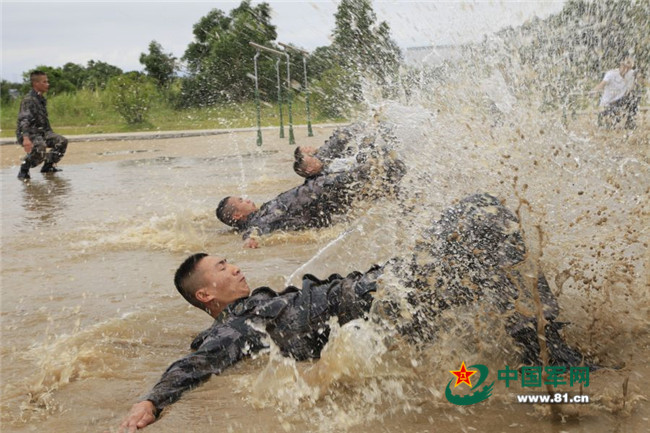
(474, 255)
(625, 108)
(56, 142)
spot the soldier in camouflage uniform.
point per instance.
(474, 252)
(336, 154)
(312, 204)
(345, 149)
(471, 252)
(34, 132)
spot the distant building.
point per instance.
(14, 93)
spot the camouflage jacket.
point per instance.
(465, 258)
(340, 152)
(310, 205)
(32, 117)
(336, 146)
(374, 173)
(296, 320)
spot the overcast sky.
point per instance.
(54, 32)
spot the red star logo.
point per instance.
(462, 375)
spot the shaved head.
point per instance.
(188, 279)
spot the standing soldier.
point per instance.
(618, 99)
(34, 132)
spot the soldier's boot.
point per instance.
(48, 167)
(23, 174)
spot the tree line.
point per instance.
(217, 65)
(562, 53)
(572, 49)
(550, 63)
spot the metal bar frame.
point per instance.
(277, 73)
(257, 101)
(304, 54)
(292, 139)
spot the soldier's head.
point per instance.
(232, 210)
(39, 81)
(306, 165)
(305, 150)
(210, 283)
(626, 64)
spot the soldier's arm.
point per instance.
(227, 346)
(334, 146)
(270, 217)
(599, 87)
(348, 297)
(251, 234)
(27, 144)
(26, 125)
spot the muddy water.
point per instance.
(90, 318)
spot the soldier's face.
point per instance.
(241, 207)
(42, 84)
(222, 281)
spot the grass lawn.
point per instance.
(87, 112)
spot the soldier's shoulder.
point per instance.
(30, 97)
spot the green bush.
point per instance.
(132, 95)
(81, 107)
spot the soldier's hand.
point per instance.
(140, 416)
(251, 243)
(27, 144)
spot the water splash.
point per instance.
(331, 244)
(481, 124)
(183, 231)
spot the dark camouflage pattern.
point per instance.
(296, 320)
(341, 145)
(314, 203)
(335, 146)
(465, 258)
(359, 143)
(32, 117)
(468, 257)
(33, 122)
(310, 205)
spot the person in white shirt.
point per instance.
(618, 98)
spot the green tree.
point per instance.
(132, 95)
(362, 51)
(98, 74)
(59, 82)
(5, 90)
(571, 50)
(320, 60)
(332, 92)
(72, 77)
(362, 44)
(74, 73)
(220, 59)
(159, 66)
